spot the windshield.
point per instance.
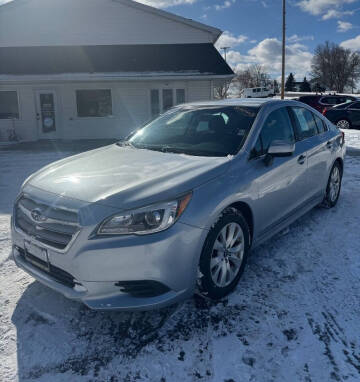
(203, 131)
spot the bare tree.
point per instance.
(221, 91)
(335, 67)
(252, 77)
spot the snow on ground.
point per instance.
(352, 139)
(293, 317)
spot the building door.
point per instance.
(46, 114)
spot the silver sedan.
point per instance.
(177, 205)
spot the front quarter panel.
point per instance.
(210, 199)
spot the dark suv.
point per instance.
(323, 102)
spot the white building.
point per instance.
(87, 69)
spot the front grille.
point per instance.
(56, 273)
(50, 225)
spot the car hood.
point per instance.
(125, 177)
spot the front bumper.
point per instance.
(101, 267)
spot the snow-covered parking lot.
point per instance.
(293, 317)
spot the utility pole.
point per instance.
(283, 49)
(225, 49)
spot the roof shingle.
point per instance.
(189, 59)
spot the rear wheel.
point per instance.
(224, 255)
(343, 124)
(334, 186)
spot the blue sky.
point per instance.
(253, 28)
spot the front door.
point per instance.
(282, 186)
(46, 114)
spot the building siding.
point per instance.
(90, 22)
(131, 108)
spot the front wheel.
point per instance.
(224, 255)
(334, 186)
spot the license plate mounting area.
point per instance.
(37, 256)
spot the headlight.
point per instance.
(145, 220)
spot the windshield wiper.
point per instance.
(163, 149)
(177, 150)
(125, 144)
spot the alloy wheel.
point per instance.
(334, 186)
(227, 255)
(343, 124)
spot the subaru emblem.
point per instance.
(37, 215)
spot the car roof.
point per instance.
(252, 102)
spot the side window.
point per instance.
(319, 124)
(355, 105)
(276, 127)
(329, 101)
(349, 99)
(304, 123)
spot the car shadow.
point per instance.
(59, 336)
(353, 151)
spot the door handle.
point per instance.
(329, 145)
(301, 159)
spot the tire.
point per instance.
(228, 262)
(333, 187)
(343, 124)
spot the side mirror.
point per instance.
(278, 149)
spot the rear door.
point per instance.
(312, 132)
(354, 114)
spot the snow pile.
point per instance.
(294, 316)
(352, 140)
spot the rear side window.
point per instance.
(320, 124)
(349, 99)
(329, 100)
(276, 127)
(355, 105)
(305, 126)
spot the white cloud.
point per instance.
(353, 44)
(296, 38)
(318, 7)
(268, 53)
(225, 4)
(344, 26)
(334, 14)
(166, 3)
(228, 39)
